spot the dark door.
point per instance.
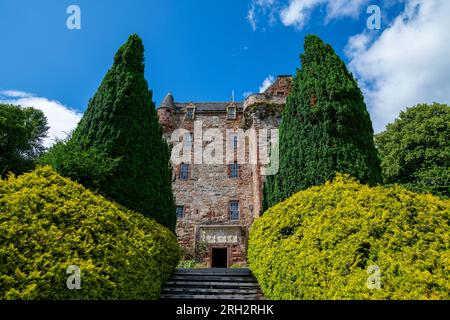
(219, 258)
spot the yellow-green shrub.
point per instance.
(320, 243)
(48, 223)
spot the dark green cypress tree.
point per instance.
(121, 121)
(326, 127)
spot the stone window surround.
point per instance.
(234, 140)
(232, 112)
(181, 173)
(238, 209)
(190, 108)
(187, 141)
(236, 168)
(183, 214)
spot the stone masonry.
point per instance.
(218, 201)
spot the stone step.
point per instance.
(210, 297)
(227, 278)
(216, 284)
(214, 271)
(212, 284)
(197, 291)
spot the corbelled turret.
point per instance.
(166, 111)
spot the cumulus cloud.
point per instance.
(266, 83)
(297, 13)
(407, 63)
(61, 119)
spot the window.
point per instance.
(232, 113)
(234, 170)
(190, 113)
(184, 171)
(180, 212)
(187, 141)
(234, 210)
(233, 139)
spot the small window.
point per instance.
(232, 113)
(190, 113)
(180, 212)
(234, 170)
(184, 171)
(234, 210)
(233, 139)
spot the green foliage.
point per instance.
(121, 122)
(90, 167)
(187, 264)
(48, 223)
(326, 127)
(415, 149)
(320, 244)
(21, 133)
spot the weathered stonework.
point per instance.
(206, 193)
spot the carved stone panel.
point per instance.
(220, 234)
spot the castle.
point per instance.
(217, 201)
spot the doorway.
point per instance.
(219, 258)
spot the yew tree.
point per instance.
(326, 127)
(121, 122)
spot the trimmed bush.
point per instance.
(328, 242)
(48, 223)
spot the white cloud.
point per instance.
(345, 8)
(251, 17)
(261, 7)
(407, 64)
(15, 94)
(61, 119)
(297, 13)
(266, 83)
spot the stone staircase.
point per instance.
(212, 284)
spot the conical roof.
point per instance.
(168, 101)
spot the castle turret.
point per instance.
(166, 112)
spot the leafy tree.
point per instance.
(415, 149)
(326, 127)
(22, 131)
(90, 167)
(121, 122)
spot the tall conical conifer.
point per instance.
(121, 121)
(326, 127)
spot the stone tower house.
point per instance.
(217, 201)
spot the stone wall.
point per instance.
(208, 190)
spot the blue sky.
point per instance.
(201, 50)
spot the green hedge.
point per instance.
(48, 223)
(322, 243)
